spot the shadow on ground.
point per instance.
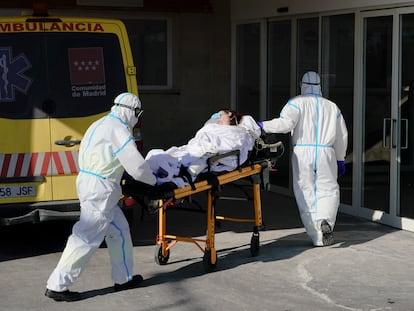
(278, 212)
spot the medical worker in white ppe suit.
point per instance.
(319, 139)
(106, 150)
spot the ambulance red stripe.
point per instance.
(32, 165)
(5, 167)
(45, 165)
(19, 164)
(71, 161)
(38, 164)
(58, 163)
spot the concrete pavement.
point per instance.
(370, 267)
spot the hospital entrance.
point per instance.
(386, 114)
(365, 58)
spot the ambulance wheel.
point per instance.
(159, 258)
(255, 245)
(208, 265)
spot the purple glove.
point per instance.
(341, 168)
(260, 124)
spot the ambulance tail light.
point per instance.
(40, 9)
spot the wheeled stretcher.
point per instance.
(255, 169)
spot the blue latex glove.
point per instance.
(260, 124)
(341, 168)
(161, 173)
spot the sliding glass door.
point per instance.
(388, 113)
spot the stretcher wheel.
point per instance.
(255, 244)
(208, 265)
(159, 258)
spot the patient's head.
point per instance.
(227, 117)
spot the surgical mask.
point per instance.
(216, 115)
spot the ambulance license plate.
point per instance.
(17, 191)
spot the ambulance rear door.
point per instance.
(90, 74)
(56, 78)
(24, 123)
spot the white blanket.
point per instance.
(211, 139)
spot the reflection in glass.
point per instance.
(307, 46)
(377, 100)
(278, 88)
(248, 69)
(337, 75)
(406, 117)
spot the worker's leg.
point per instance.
(304, 190)
(120, 246)
(327, 187)
(87, 235)
(327, 195)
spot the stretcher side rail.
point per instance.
(211, 160)
(222, 179)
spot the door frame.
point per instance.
(356, 209)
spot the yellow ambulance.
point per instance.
(57, 75)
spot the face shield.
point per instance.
(128, 107)
(137, 111)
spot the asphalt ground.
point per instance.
(370, 266)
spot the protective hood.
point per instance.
(311, 84)
(124, 108)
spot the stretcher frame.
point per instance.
(165, 242)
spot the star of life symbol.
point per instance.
(12, 76)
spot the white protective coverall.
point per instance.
(107, 148)
(319, 139)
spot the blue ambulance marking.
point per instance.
(12, 74)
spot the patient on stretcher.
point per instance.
(225, 131)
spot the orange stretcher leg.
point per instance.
(210, 255)
(257, 205)
(255, 240)
(162, 253)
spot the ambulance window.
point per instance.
(59, 74)
(23, 82)
(86, 73)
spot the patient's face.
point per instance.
(225, 117)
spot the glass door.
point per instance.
(406, 117)
(279, 88)
(387, 139)
(377, 121)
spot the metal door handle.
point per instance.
(385, 141)
(68, 143)
(404, 125)
(390, 141)
(393, 133)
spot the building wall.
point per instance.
(201, 78)
(253, 9)
(362, 50)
